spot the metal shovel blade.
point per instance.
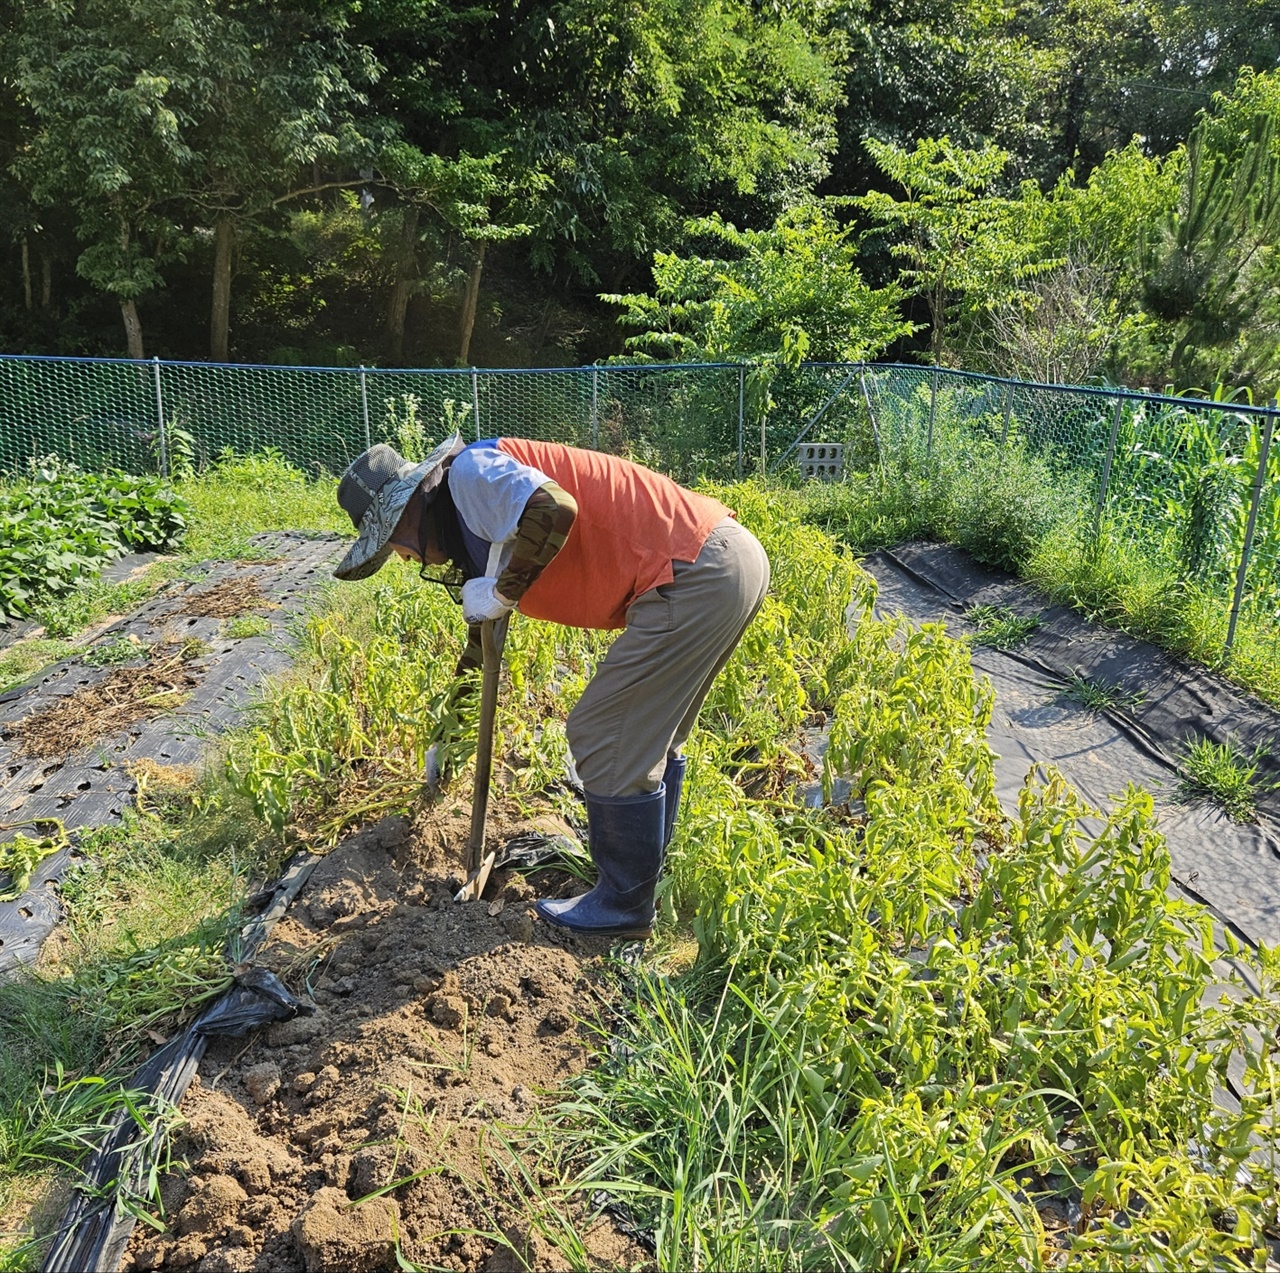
(493, 636)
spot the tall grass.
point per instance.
(1158, 565)
(241, 496)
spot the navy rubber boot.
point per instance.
(625, 838)
(673, 781)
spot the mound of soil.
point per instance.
(328, 1141)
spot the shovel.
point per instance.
(493, 636)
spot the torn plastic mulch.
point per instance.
(96, 1226)
(29, 905)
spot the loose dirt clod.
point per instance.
(373, 1122)
(335, 1237)
(227, 600)
(123, 697)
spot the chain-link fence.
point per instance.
(1192, 486)
(1195, 483)
(148, 416)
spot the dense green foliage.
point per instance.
(919, 1024)
(1159, 562)
(1061, 191)
(775, 297)
(61, 526)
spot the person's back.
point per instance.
(631, 524)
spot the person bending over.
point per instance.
(591, 541)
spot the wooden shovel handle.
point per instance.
(493, 636)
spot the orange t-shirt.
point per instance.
(632, 524)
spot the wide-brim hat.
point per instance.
(373, 492)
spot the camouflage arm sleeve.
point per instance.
(540, 534)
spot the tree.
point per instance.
(145, 111)
(608, 126)
(1057, 83)
(670, 108)
(965, 69)
(279, 105)
(1068, 323)
(475, 196)
(1210, 270)
(963, 248)
(112, 86)
(776, 297)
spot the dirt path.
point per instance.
(436, 1023)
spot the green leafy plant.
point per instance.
(120, 649)
(403, 427)
(1224, 773)
(1098, 695)
(62, 525)
(20, 856)
(249, 625)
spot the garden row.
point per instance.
(919, 1028)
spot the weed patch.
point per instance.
(249, 625)
(1156, 570)
(1098, 695)
(23, 659)
(1224, 774)
(95, 600)
(241, 496)
(1000, 627)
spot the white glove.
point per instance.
(481, 600)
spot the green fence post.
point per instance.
(933, 410)
(742, 396)
(1106, 467)
(475, 399)
(1242, 573)
(1008, 412)
(162, 441)
(871, 415)
(364, 403)
(595, 408)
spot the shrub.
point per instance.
(61, 525)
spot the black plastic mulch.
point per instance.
(90, 788)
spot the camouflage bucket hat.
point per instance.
(373, 492)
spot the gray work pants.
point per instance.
(641, 704)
